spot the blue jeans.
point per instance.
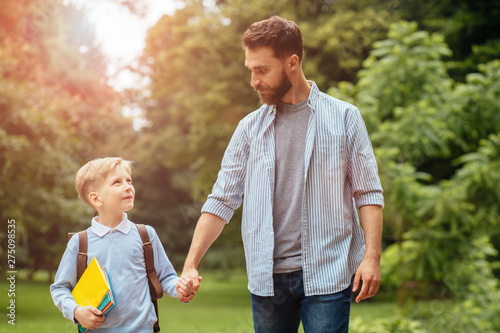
(282, 312)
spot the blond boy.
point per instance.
(106, 185)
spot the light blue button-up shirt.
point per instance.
(120, 251)
(340, 176)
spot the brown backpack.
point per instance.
(155, 288)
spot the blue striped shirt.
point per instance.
(340, 176)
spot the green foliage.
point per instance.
(480, 179)
(402, 70)
(55, 114)
(195, 83)
(340, 38)
(399, 325)
(437, 147)
(473, 106)
(400, 94)
(469, 27)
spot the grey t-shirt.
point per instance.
(290, 140)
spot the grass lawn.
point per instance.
(222, 305)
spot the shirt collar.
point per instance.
(101, 230)
(313, 94)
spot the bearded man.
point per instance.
(305, 165)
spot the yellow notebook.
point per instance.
(92, 287)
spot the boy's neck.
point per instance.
(110, 220)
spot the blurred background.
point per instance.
(162, 83)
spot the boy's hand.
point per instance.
(185, 288)
(89, 317)
(193, 275)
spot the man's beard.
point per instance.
(272, 96)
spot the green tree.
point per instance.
(469, 27)
(436, 141)
(56, 113)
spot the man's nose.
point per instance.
(255, 81)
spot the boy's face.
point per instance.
(117, 192)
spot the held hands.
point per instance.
(369, 273)
(89, 317)
(186, 288)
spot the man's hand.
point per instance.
(369, 273)
(188, 286)
(89, 317)
(369, 270)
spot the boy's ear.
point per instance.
(94, 199)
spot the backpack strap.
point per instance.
(82, 253)
(155, 288)
(81, 261)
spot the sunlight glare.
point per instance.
(122, 34)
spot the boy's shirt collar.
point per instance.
(101, 230)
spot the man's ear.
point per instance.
(95, 199)
(293, 62)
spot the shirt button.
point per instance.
(270, 261)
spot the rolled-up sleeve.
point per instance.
(227, 192)
(362, 172)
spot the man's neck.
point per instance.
(299, 92)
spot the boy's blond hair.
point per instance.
(91, 176)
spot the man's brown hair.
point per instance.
(281, 35)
